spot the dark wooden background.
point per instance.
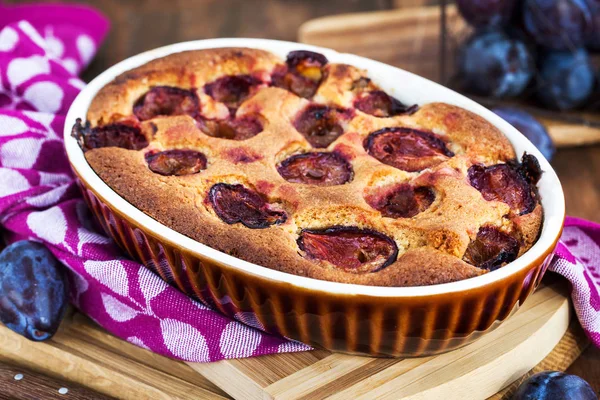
(139, 25)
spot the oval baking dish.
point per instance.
(370, 320)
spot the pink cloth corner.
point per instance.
(41, 52)
(42, 49)
(578, 259)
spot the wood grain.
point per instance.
(484, 367)
(563, 355)
(81, 353)
(407, 38)
(19, 383)
(84, 354)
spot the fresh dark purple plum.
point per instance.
(554, 385)
(558, 24)
(530, 127)
(566, 79)
(483, 13)
(493, 64)
(33, 290)
(593, 39)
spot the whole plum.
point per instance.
(558, 24)
(593, 39)
(493, 64)
(566, 79)
(554, 385)
(530, 127)
(481, 13)
(33, 290)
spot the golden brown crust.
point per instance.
(431, 244)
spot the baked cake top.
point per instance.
(308, 167)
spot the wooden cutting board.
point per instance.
(539, 337)
(410, 38)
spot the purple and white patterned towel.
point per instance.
(41, 53)
(42, 49)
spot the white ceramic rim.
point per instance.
(407, 87)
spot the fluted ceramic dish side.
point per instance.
(360, 319)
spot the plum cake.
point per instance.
(309, 167)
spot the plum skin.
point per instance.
(318, 168)
(493, 64)
(350, 248)
(120, 134)
(593, 39)
(558, 24)
(235, 203)
(530, 127)
(566, 79)
(554, 385)
(481, 13)
(33, 290)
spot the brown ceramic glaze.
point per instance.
(358, 319)
(368, 325)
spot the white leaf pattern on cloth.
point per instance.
(86, 48)
(23, 69)
(138, 342)
(581, 245)
(70, 64)
(54, 45)
(45, 119)
(238, 340)
(30, 31)
(292, 346)
(101, 281)
(77, 83)
(53, 233)
(200, 305)
(184, 341)
(110, 273)
(8, 39)
(87, 237)
(12, 126)
(51, 178)
(249, 318)
(45, 96)
(49, 198)
(12, 182)
(149, 285)
(118, 310)
(20, 153)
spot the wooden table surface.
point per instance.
(139, 25)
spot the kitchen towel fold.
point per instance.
(39, 62)
(42, 50)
